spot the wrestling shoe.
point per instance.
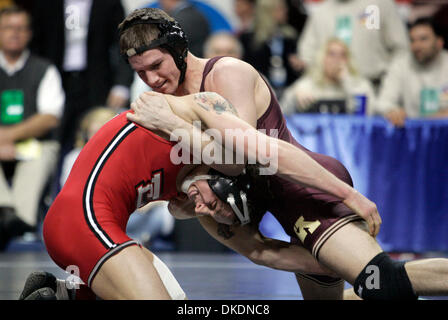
(43, 280)
(42, 294)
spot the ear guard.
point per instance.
(232, 190)
(171, 37)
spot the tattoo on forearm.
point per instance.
(224, 231)
(202, 100)
(208, 100)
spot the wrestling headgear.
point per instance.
(232, 190)
(171, 37)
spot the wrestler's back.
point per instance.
(126, 165)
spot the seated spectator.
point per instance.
(146, 223)
(416, 84)
(270, 44)
(332, 85)
(32, 100)
(223, 44)
(372, 29)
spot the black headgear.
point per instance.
(171, 37)
(232, 190)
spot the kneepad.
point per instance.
(384, 279)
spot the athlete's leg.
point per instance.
(319, 287)
(129, 275)
(349, 294)
(172, 286)
(429, 277)
(350, 249)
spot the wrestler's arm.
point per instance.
(293, 164)
(236, 81)
(272, 253)
(249, 242)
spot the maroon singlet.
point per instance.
(308, 215)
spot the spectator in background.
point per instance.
(330, 85)
(80, 37)
(245, 12)
(31, 104)
(90, 123)
(441, 19)
(416, 84)
(297, 14)
(372, 29)
(271, 43)
(195, 25)
(223, 44)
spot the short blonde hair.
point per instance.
(100, 115)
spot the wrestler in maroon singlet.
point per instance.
(306, 214)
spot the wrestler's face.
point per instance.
(208, 204)
(425, 45)
(156, 67)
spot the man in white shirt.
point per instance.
(31, 104)
(416, 85)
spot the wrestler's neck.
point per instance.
(193, 76)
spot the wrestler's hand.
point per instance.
(366, 209)
(152, 111)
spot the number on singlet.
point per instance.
(150, 190)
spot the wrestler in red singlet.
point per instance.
(121, 168)
(308, 215)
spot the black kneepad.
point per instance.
(384, 279)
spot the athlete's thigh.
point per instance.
(315, 290)
(129, 275)
(348, 250)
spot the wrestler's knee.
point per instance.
(384, 279)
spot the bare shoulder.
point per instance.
(232, 71)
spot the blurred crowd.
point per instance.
(61, 77)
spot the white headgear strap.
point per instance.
(188, 181)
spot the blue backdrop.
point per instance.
(404, 171)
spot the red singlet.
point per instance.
(121, 168)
